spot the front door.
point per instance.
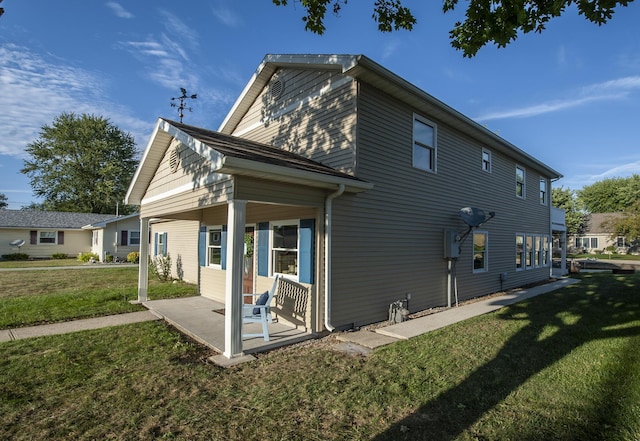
(247, 274)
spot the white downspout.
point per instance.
(327, 257)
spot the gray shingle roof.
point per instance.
(49, 219)
(596, 222)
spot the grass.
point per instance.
(563, 366)
(46, 296)
(43, 263)
(604, 256)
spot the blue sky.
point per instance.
(569, 96)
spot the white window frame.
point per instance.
(272, 249)
(523, 183)
(161, 249)
(432, 150)
(55, 237)
(546, 251)
(537, 253)
(129, 234)
(523, 252)
(210, 246)
(544, 192)
(529, 251)
(485, 267)
(486, 165)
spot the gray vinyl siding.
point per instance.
(321, 128)
(389, 241)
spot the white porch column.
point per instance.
(236, 220)
(563, 253)
(143, 269)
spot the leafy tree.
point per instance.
(611, 195)
(81, 163)
(575, 219)
(3, 201)
(498, 21)
(627, 226)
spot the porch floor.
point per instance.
(197, 318)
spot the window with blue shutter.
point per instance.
(223, 248)
(202, 246)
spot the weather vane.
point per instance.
(182, 98)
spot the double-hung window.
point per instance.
(529, 250)
(519, 252)
(284, 248)
(47, 237)
(543, 191)
(214, 247)
(486, 160)
(480, 242)
(134, 238)
(424, 144)
(520, 181)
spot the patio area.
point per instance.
(203, 320)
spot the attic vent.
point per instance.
(276, 89)
(174, 158)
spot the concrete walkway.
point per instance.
(76, 325)
(367, 340)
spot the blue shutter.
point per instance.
(202, 246)
(155, 243)
(166, 250)
(223, 248)
(306, 251)
(263, 249)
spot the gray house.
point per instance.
(116, 236)
(40, 234)
(334, 172)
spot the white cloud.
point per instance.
(225, 15)
(606, 91)
(178, 30)
(119, 10)
(38, 89)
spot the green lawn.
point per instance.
(40, 263)
(562, 366)
(45, 296)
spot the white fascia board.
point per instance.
(195, 145)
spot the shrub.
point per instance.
(160, 266)
(59, 256)
(108, 258)
(133, 257)
(15, 256)
(87, 257)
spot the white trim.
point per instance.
(485, 268)
(208, 246)
(524, 181)
(523, 260)
(272, 271)
(546, 190)
(434, 126)
(295, 105)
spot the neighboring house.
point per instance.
(336, 173)
(116, 236)
(46, 232)
(598, 237)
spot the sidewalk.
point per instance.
(364, 341)
(76, 325)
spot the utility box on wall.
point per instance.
(451, 244)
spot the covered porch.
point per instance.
(203, 320)
(230, 187)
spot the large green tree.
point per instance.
(628, 225)
(496, 21)
(81, 163)
(611, 195)
(3, 201)
(566, 199)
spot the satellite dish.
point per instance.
(17, 243)
(474, 217)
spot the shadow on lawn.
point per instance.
(595, 315)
